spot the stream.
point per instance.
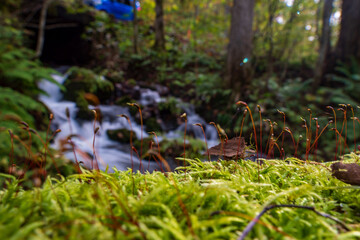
(111, 153)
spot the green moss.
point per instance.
(121, 135)
(132, 82)
(173, 148)
(152, 125)
(135, 112)
(146, 144)
(217, 199)
(115, 76)
(83, 108)
(170, 106)
(123, 100)
(83, 80)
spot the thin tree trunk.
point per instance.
(135, 29)
(159, 26)
(318, 19)
(41, 31)
(240, 47)
(348, 46)
(272, 7)
(288, 27)
(325, 46)
(196, 13)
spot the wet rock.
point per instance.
(346, 172)
(124, 100)
(121, 135)
(127, 89)
(162, 90)
(153, 125)
(82, 81)
(169, 112)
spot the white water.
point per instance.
(110, 153)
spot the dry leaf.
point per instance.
(230, 149)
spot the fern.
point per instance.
(19, 72)
(349, 78)
(19, 105)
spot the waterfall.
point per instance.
(108, 152)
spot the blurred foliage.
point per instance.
(193, 66)
(21, 113)
(205, 200)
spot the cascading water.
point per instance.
(108, 152)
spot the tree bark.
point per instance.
(272, 8)
(240, 47)
(42, 25)
(325, 46)
(317, 20)
(159, 26)
(348, 45)
(135, 28)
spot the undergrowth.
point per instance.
(210, 200)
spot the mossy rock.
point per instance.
(121, 135)
(170, 106)
(169, 112)
(123, 100)
(132, 82)
(173, 148)
(134, 111)
(146, 145)
(115, 76)
(83, 108)
(81, 80)
(152, 125)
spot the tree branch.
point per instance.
(250, 226)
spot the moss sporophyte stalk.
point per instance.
(243, 193)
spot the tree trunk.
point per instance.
(272, 8)
(41, 31)
(348, 45)
(240, 46)
(318, 17)
(159, 26)
(135, 26)
(325, 46)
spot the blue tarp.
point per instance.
(120, 10)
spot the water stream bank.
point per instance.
(108, 152)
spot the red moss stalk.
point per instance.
(141, 124)
(241, 129)
(96, 129)
(284, 126)
(292, 137)
(316, 137)
(252, 120)
(353, 118)
(206, 145)
(159, 152)
(221, 140)
(259, 108)
(131, 144)
(335, 127)
(184, 116)
(344, 125)
(11, 155)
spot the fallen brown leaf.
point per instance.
(230, 149)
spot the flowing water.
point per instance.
(110, 153)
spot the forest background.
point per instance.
(285, 59)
